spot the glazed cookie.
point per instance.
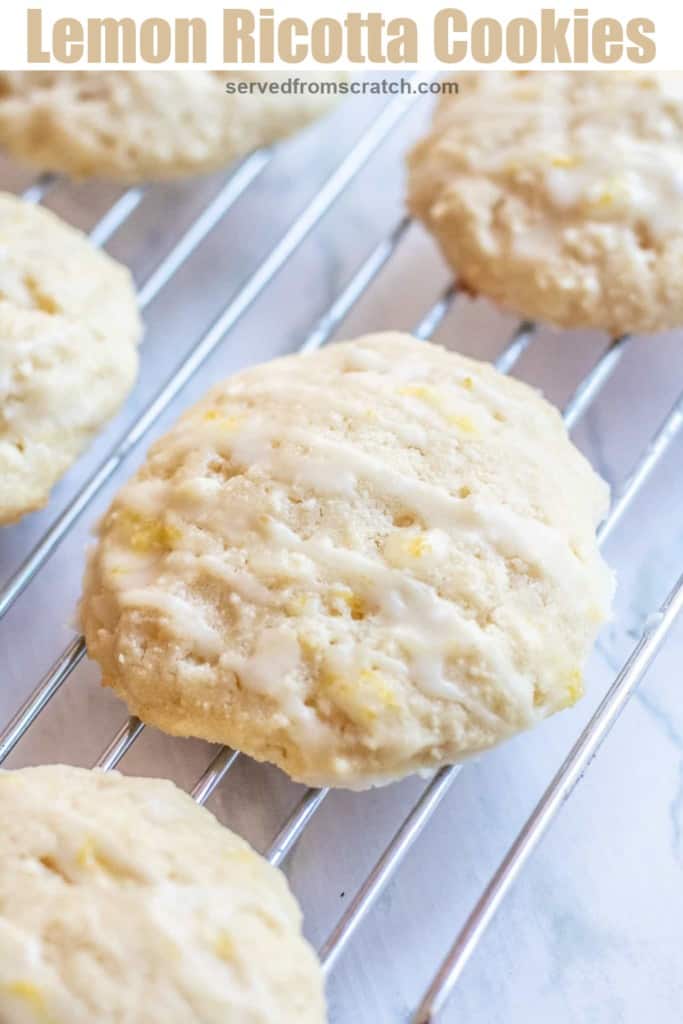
(135, 125)
(560, 194)
(122, 900)
(358, 563)
(69, 326)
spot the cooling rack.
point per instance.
(56, 526)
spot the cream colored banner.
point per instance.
(305, 35)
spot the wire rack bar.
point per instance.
(390, 860)
(648, 462)
(593, 384)
(41, 696)
(435, 316)
(356, 287)
(239, 181)
(217, 770)
(114, 218)
(236, 308)
(122, 742)
(561, 787)
(516, 347)
(39, 189)
(295, 825)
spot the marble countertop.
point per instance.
(593, 930)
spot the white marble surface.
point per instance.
(593, 931)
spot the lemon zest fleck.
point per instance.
(565, 160)
(224, 947)
(364, 699)
(418, 546)
(144, 534)
(27, 991)
(89, 857)
(574, 688)
(464, 423)
(433, 398)
(222, 419)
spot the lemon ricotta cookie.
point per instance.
(560, 194)
(69, 329)
(357, 563)
(121, 900)
(135, 125)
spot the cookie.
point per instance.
(560, 194)
(69, 326)
(122, 900)
(356, 563)
(131, 126)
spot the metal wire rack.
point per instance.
(435, 790)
